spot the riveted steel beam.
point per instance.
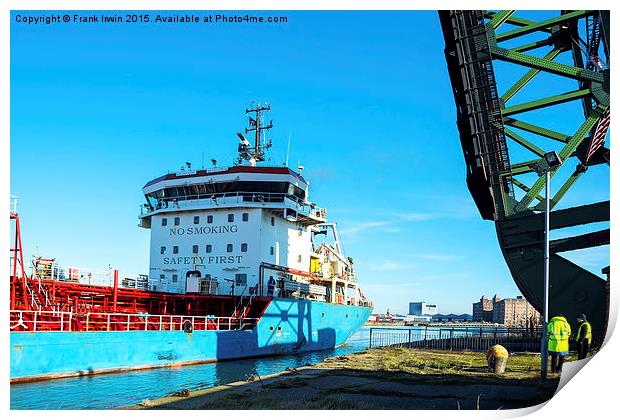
(525, 164)
(587, 240)
(545, 102)
(524, 142)
(517, 21)
(566, 186)
(536, 26)
(533, 45)
(527, 77)
(534, 129)
(525, 188)
(519, 171)
(500, 17)
(515, 57)
(566, 151)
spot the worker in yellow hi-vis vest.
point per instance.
(584, 336)
(558, 330)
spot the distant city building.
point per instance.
(422, 308)
(483, 310)
(515, 312)
(386, 318)
(418, 318)
(512, 312)
(451, 318)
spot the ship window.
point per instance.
(245, 217)
(177, 221)
(195, 249)
(175, 249)
(196, 220)
(162, 250)
(271, 251)
(244, 247)
(175, 278)
(210, 219)
(296, 192)
(164, 222)
(154, 288)
(209, 249)
(231, 217)
(162, 276)
(229, 248)
(273, 221)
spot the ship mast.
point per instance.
(247, 151)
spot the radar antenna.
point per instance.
(254, 152)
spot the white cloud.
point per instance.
(357, 227)
(416, 217)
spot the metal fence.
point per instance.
(458, 338)
(468, 338)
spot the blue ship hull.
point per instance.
(287, 326)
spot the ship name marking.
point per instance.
(217, 259)
(204, 230)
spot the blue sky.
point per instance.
(98, 110)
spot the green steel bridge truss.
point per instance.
(490, 122)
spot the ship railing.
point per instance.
(184, 201)
(31, 321)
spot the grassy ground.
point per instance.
(386, 378)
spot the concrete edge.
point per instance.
(201, 396)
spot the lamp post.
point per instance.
(545, 166)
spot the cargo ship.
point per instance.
(242, 264)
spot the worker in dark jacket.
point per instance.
(584, 336)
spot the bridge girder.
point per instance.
(487, 122)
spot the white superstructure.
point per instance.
(243, 230)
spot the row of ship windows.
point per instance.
(231, 218)
(240, 279)
(209, 249)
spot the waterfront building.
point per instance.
(451, 318)
(422, 308)
(515, 312)
(483, 310)
(418, 318)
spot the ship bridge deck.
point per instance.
(289, 206)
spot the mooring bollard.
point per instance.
(497, 356)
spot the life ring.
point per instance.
(188, 327)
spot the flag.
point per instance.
(252, 122)
(598, 139)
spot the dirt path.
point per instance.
(382, 379)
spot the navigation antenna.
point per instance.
(247, 151)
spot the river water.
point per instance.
(122, 389)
